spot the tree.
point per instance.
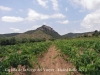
(96, 33)
(12, 41)
(85, 35)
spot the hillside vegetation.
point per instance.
(84, 53)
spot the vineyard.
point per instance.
(83, 53)
(21, 54)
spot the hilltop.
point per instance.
(41, 32)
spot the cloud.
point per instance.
(33, 16)
(58, 15)
(87, 4)
(43, 3)
(63, 22)
(15, 29)
(11, 19)
(55, 4)
(33, 27)
(5, 8)
(92, 20)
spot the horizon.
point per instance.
(41, 26)
(75, 16)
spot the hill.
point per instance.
(9, 34)
(48, 30)
(71, 35)
(44, 32)
(41, 32)
(35, 34)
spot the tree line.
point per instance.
(13, 41)
(96, 33)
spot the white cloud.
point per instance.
(66, 9)
(43, 3)
(58, 15)
(5, 8)
(33, 27)
(92, 20)
(87, 4)
(63, 22)
(55, 4)
(15, 29)
(33, 16)
(11, 19)
(42, 16)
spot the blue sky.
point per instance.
(64, 16)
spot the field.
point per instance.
(78, 56)
(11, 56)
(83, 53)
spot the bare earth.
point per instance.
(53, 64)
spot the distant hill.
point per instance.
(44, 32)
(9, 35)
(71, 35)
(41, 32)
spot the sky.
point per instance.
(64, 16)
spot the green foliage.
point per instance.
(13, 41)
(21, 54)
(85, 35)
(97, 47)
(96, 33)
(5, 41)
(83, 53)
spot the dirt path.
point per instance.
(52, 62)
